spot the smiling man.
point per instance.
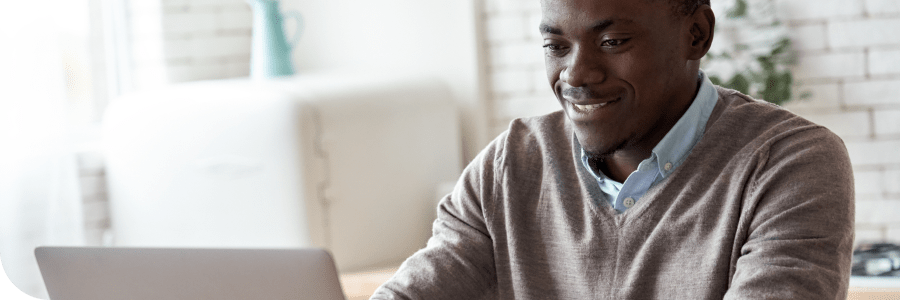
(651, 183)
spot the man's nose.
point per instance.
(583, 67)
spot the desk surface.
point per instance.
(360, 286)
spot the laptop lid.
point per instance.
(87, 273)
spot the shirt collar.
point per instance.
(678, 142)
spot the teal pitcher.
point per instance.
(270, 55)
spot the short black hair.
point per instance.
(687, 7)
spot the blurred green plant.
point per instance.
(761, 69)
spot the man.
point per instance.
(651, 183)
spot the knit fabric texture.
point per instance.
(762, 208)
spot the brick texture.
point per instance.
(832, 65)
(845, 124)
(873, 93)
(887, 123)
(879, 7)
(868, 184)
(884, 62)
(892, 233)
(874, 153)
(864, 32)
(877, 211)
(817, 9)
(199, 39)
(808, 37)
(892, 182)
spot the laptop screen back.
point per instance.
(82, 273)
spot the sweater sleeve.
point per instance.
(801, 214)
(458, 260)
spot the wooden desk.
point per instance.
(360, 286)
(874, 288)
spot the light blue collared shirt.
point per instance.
(666, 156)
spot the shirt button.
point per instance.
(668, 166)
(629, 202)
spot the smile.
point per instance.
(589, 108)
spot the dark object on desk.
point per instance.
(880, 259)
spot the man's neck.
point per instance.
(621, 164)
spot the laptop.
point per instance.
(89, 273)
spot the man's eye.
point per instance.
(554, 48)
(613, 42)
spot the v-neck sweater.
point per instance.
(761, 208)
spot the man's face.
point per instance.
(619, 68)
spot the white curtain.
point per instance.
(39, 193)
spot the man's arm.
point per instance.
(458, 261)
(800, 236)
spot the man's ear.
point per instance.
(702, 25)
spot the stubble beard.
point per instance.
(601, 155)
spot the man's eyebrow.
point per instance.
(601, 25)
(596, 27)
(544, 28)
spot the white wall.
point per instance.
(187, 40)
(849, 60)
(428, 37)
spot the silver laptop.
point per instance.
(84, 273)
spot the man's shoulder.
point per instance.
(742, 114)
(743, 121)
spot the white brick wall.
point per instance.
(817, 9)
(808, 36)
(508, 6)
(869, 184)
(864, 32)
(849, 60)
(884, 62)
(849, 54)
(507, 27)
(874, 153)
(517, 53)
(94, 195)
(872, 93)
(186, 22)
(191, 40)
(878, 211)
(507, 81)
(887, 124)
(869, 234)
(845, 124)
(831, 65)
(171, 41)
(823, 96)
(878, 7)
(892, 182)
(892, 232)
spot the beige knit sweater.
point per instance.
(762, 208)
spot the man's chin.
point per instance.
(598, 156)
(599, 152)
(597, 142)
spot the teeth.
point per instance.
(589, 107)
